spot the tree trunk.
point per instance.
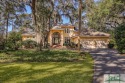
(37, 30)
(80, 8)
(33, 7)
(7, 24)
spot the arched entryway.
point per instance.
(56, 38)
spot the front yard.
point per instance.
(47, 67)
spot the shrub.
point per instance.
(72, 45)
(13, 41)
(120, 37)
(65, 44)
(111, 44)
(29, 44)
(1, 44)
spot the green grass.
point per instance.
(45, 71)
(37, 56)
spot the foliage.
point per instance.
(29, 44)
(72, 45)
(106, 15)
(13, 41)
(9, 13)
(10, 45)
(41, 56)
(120, 37)
(24, 20)
(111, 43)
(14, 36)
(1, 45)
(65, 44)
(1, 42)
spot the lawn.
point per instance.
(37, 56)
(69, 69)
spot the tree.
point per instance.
(80, 9)
(1, 38)
(40, 18)
(8, 12)
(120, 37)
(106, 14)
(24, 21)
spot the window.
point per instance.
(67, 30)
(56, 38)
(67, 39)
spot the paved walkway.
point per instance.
(107, 61)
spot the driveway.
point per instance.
(107, 61)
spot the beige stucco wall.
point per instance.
(62, 33)
(68, 34)
(27, 37)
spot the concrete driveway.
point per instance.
(107, 61)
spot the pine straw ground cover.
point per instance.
(26, 66)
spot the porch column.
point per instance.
(61, 38)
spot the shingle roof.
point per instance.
(90, 32)
(29, 33)
(57, 28)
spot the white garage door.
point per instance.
(90, 44)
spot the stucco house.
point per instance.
(68, 33)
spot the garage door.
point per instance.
(90, 44)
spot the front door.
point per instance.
(56, 38)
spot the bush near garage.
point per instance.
(120, 37)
